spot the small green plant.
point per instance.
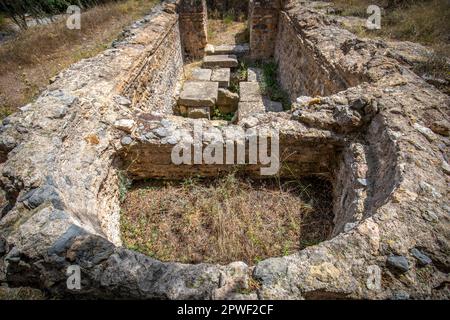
(217, 115)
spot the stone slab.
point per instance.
(220, 61)
(248, 109)
(250, 92)
(201, 74)
(199, 112)
(199, 94)
(222, 76)
(254, 75)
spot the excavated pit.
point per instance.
(115, 112)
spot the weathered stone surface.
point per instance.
(193, 26)
(199, 94)
(398, 263)
(273, 106)
(235, 49)
(254, 74)
(250, 92)
(222, 76)
(126, 125)
(201, 75)
(248, 109)
(263, 25)
(227, 101)
(220, 61)
(441, 127)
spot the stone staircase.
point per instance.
(208, 87)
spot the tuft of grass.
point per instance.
(226, 219)
(425, 22)
(269, 83)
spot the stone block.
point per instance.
(254, 75)
(273, 106)
(199, 94)
(222, 76)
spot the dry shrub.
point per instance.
(225, 220)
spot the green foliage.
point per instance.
(124, 185)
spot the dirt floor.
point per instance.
(225, 220)
(227, 31)
(31, 59)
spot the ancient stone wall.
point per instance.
(263, 26)
(193, 26)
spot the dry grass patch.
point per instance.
(227, 31)
(41, 52)
(225, 220)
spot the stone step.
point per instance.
(201, 74)
(199, 94)
(220, 61)
(236, 49)
(222, 76)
